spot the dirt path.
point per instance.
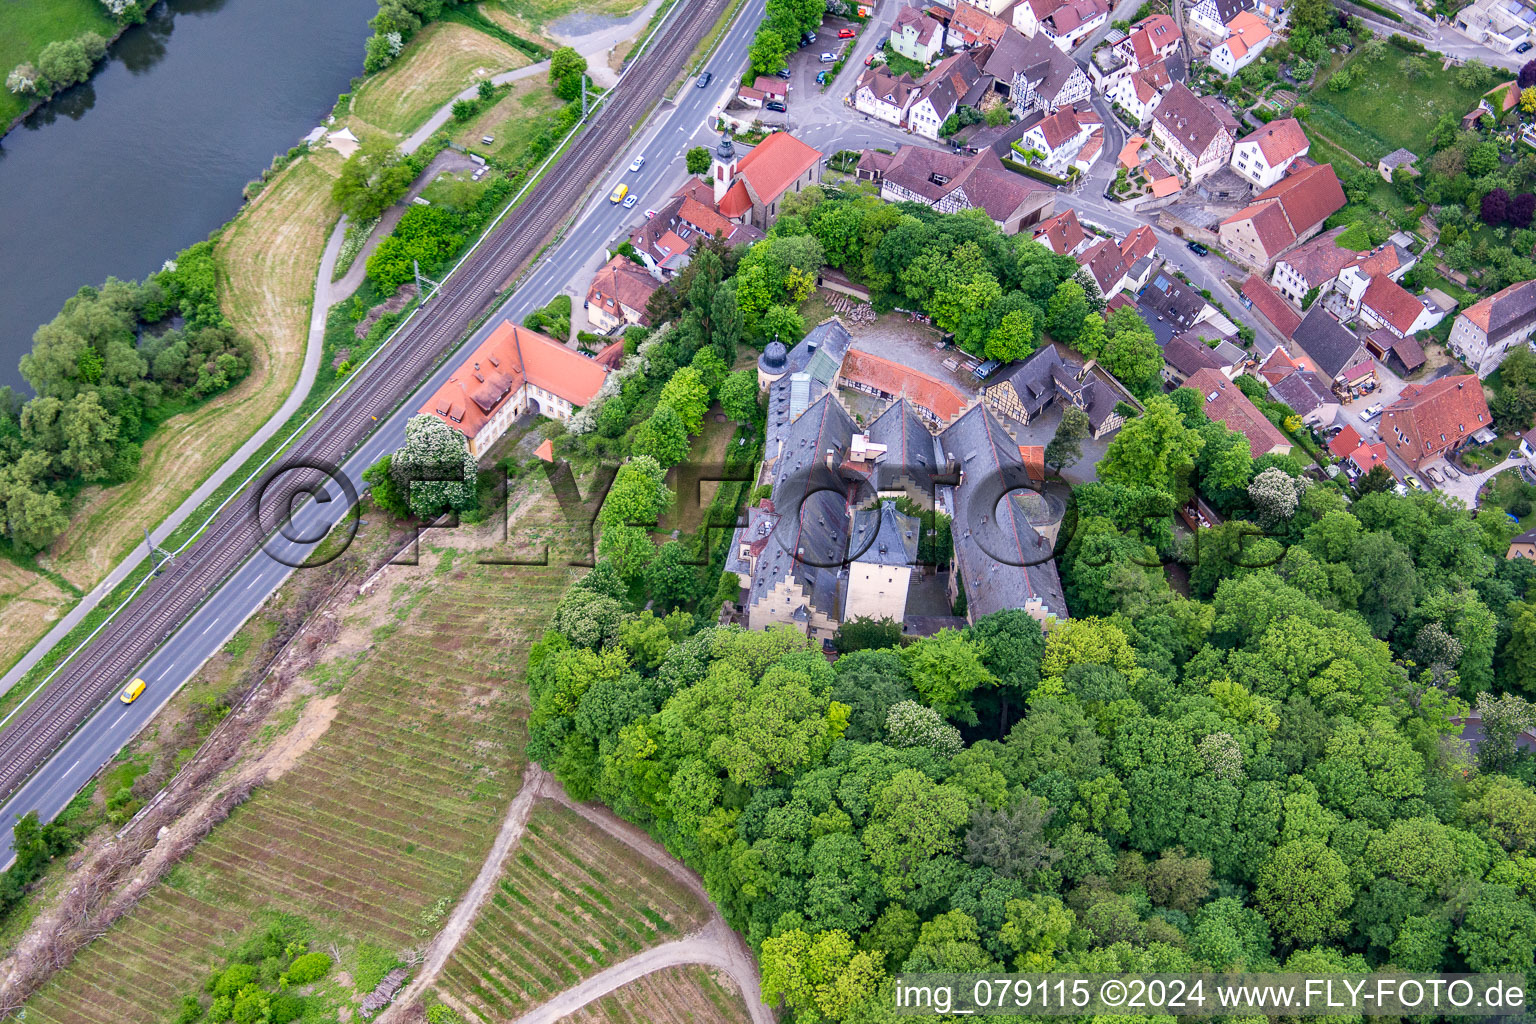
(536, 782)
(715, 945)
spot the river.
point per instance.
(114, 176)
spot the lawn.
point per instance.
(674, 995)
(380, 824)
(268, 258)
(540, 14)
(514, 121)
(1509, 492)
(26, 26)
(572, 901)
(1384, 110)
(441, 60)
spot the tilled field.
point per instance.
(673, 995)
(391, 811)
(572, 901)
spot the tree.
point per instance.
(1495, 207)
(1303, 890)
(1154, 449)
(910, 724)
(1378, 479)
(699, 160)
(566, 63)
(783, 323)
(687, 393)
(371, 179)
(1135, 358)
(862, 633)
(1066, 312)
(1066, 445)
(819, 977)
(434, 468)
(739, 396)
(1528, 100)
(25, 79)
(1013, 337)
(1274, 494)
(1522, 207)
(672, 578)
(385, 493)
(663, 437)
(945, 669)
(768, 50)
(1012, 842)
(1498, 932)
(639, 495)
(66, 62)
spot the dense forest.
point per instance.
(115, 362)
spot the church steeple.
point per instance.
(723, 168)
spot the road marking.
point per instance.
(119, 719)
(73, 766)
(251, 584)
(210, 625)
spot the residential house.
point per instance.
(1282, 216)
(1036, 75)
(992, 8)
(1193, 132)
(917, 36)
(1522, 545)
(1327, 344)
(1387, 304)
(1058, 137)
(1124, 264)
(1167, 300)
(1062, 234)
(1308, 395)
(1225, 403)
(666, 241)
(971, 27)
(1486, 330)
(1388, 260)
(884, 96)
(1152, 39)
(1265, 156)
(1429, 420)
(1183, 357)
(1500, 25)
(1366, 457)
(1028, 388)
(512, 372)
(950, 182)
(1247, 37)
(1388, 165)
(618, 294)
(1265, 301)
(1212, 16)
(1066, 23)
(1002, 561)
(1313, 264)
(955, 81)
(1139, 92)
(763, 89)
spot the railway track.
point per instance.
(95, 674)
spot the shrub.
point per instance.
(307, 968)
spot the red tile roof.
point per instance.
(546, 450)
(1150, 35)
(1392, 302)
(1280, 140)
(1140, 242)
(736, 202)
(1225, 403)
(1273, 308)
(506, 360)
(1344, 442)
(1430, 418)
(1062, 233)
(1277, 366)
(1291, 207)
(1367, 456)
(704, 218)
(618, 284)
(1245, 31)
(772, 166)
(942, 400)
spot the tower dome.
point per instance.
(775, 356)
(726, 151)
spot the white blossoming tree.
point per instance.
(435, 466)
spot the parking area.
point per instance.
(806, 63)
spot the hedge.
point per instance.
(1032, 172)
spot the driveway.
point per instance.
(1467, 487)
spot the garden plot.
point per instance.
(572, 901)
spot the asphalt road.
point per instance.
(50, 789)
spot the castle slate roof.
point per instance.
(883, 536)
(1002, 560)
(1329, 343)
(910, 450)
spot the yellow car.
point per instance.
(619, 194)
(131, 694)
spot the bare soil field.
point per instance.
(693, 994)
(573, 900)
(384, 791)
(439, 61)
